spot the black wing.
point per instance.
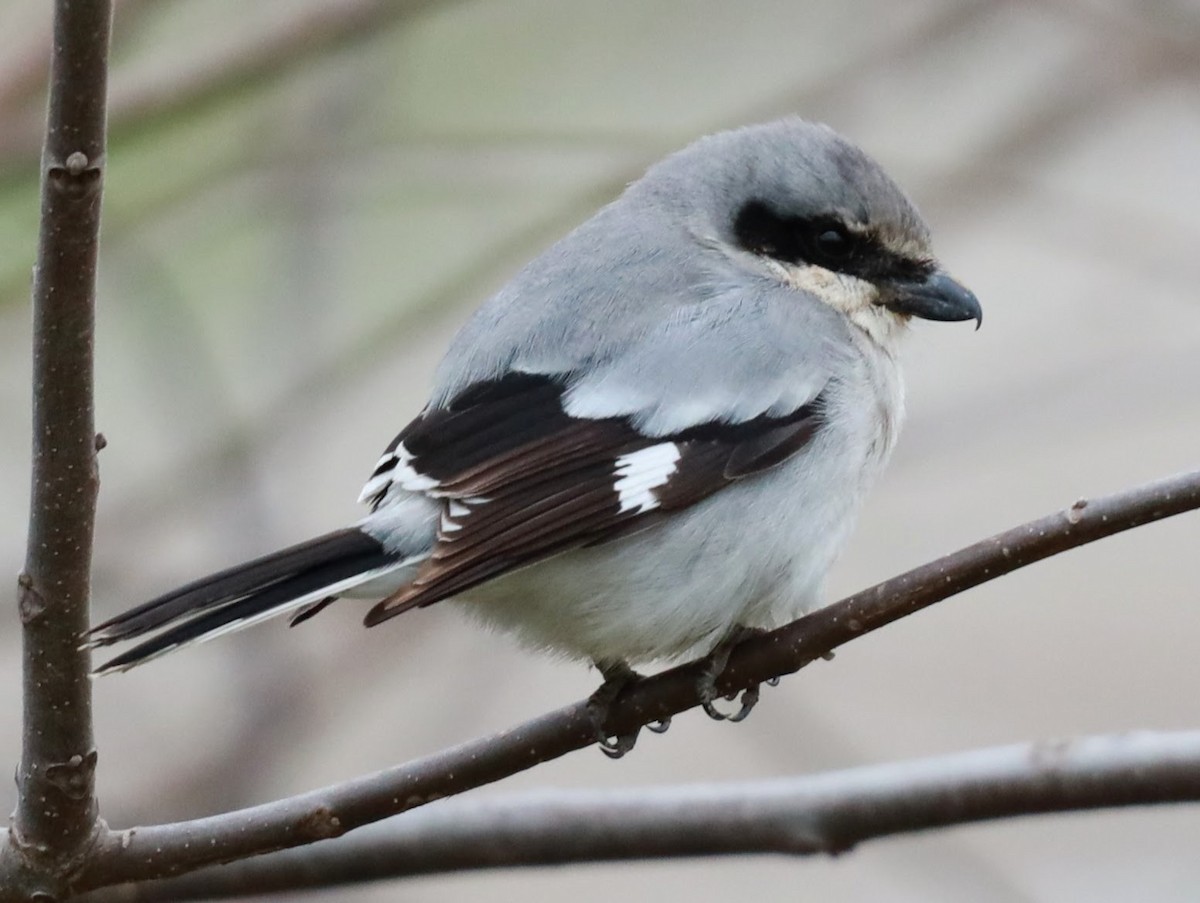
(523, 480)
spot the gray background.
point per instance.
(288, 248)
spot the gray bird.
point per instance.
(657, 435)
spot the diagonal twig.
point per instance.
(163, 850)
(816, 814)
(273, 54)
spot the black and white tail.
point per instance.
(293, 578)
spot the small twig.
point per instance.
(164, 850)
(55, 818)
(209, 463)
(23, 73)
(320, 29)
(819, 814)
(270, 55)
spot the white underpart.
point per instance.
(856, 298)
(639, 473)
(753, 554)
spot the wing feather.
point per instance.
(522, 480)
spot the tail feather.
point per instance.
(243, 595)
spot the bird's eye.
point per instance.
(834, 243)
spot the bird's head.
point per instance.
(794, 201)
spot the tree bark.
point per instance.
(822, 814)
(55, 820)
(158, 851)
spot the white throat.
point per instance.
(854, 297)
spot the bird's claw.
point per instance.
(616, 678)
(713, 712)
(659, 727)
(707, 684)
(615, 747)
(708, 697)
(749, 700)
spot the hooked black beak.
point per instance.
(936, 297)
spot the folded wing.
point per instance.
(521, 479)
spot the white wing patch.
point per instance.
(396, 467)
(641, 472)
(380, 483)
(407, 476)
(456, 511)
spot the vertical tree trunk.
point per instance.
(56, 811)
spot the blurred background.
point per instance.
(306, 197)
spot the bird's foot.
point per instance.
(714, 667)
(617, 676)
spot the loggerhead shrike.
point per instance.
(655, 436)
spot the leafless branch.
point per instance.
(826, 813)
(274, 54)
(55, 818)
(163, 850)
(56, 844)
(210, 462)
(23, 74)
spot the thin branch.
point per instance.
(55, 817)
(272, 55)
(164, 850)
(323, 28)
(23, 73)
(803, 816)
(209, 463)
(1153, 36)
